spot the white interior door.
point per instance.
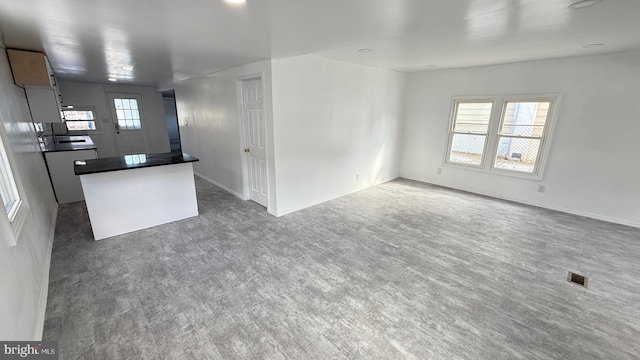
(254, 126)
(131, 128)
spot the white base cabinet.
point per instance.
(66, 183)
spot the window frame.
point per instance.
(496, 119)
(95, 120)
(8, 184)
(452, 132)
(11, 224)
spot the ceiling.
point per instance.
(169, 40)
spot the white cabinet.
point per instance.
(32, 71)
(66, 183)
(44, 104)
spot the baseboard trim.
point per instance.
(44, 293)
(331, 197)
(219, 185)
(540, 205)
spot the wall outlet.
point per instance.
(439, 171)
(542, 188)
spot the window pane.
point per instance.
(524, 118)
(129, 114)
(118, 103)
(467, 149)
(517, 154)
(77, 125)
(473, 117)
(78, 115)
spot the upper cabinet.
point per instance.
(30, 68)
(32, 71)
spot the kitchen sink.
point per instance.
(70, 141)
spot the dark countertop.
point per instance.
(127, 162)
(66, 143)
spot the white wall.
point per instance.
(333, 120)
(24, 269)
(209, 105)
(95, 95)
(592, 167)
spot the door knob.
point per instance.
(247, 150)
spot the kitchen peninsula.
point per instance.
(135, 192)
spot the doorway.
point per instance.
(171, 118)
(254, 124)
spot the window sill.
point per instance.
(495, 171)
(87, 132)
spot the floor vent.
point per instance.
(577, 279)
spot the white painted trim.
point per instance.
(331, 197)
(244, 166)
(44, 293)
(537, 204)
(220, 186)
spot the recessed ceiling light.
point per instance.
(583, 4)
(127, 67)
(112, 79)
(236, 1)
(591, 46)
(430, 65)
(365, 50)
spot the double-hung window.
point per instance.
(503, 135)
(469, 132)
(8, 189)
(80, 119)
(14, 209)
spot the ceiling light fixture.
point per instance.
(112, 79)
(429, 66)
(591, 46)
(235, 2)
(68, 106)
(583, 4)
(127, 68)
(365, 50)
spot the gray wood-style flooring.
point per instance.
(401, 270)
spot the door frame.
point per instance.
(246, 187)
(114, 119)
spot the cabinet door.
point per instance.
(44, 104)
(29, 67)
(66, 183)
